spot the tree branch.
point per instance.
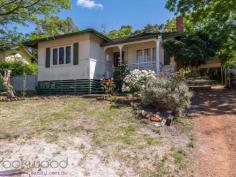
(7, 3)
(19, 6)
(12, 10)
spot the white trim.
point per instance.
(121, 52)
(129, 43)
(64, 63)
(158, 56)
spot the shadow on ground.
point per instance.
(214, 102)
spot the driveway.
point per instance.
(214, 120)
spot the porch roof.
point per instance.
(140, 37)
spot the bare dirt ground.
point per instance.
(94, 138)
(214, 120)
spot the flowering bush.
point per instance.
(137, 79)
(169, 94)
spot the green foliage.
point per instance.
(18, 68)
(168, 94)
(215, 17)
(25, 11)
(232, 61)
(119, 74)
(108, 85)
(191, 49)
(10, 38)
(149, 28)
(171, 94)
(124, 31)
(53, 25)
(127, 30)
(179, 157)
(170, 25)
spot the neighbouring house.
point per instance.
(19, 53)
(74, 63)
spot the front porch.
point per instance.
(142, 55)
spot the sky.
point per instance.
(112, 14)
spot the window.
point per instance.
(68, 54)
(61, 55)
(55, 56)
(139, 55)
(147, 55)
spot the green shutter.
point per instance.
(166, 58)
(47, 62)
(76, 53)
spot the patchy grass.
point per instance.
(183, 120)
(191, 143)
(179, 156)
(109, 129)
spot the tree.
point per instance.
(8, 69)
(124, 31)
(169, 26)
(25, 11)
(191, 49)
(9, 38)
(214, 17)
(53, 25)
(149, 28)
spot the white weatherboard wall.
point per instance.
(67, 71)
(91, 60)
(97, 60)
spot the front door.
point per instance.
(116, 58)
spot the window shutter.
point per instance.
(76, 53)
(166, 58)
(47, 62)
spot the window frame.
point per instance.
(143, 58)
(138, 57)
(146, 57)
(70, 54)
(64, 64)
(53, 56)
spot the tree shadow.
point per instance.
(214, 102)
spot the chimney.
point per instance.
(180, 24)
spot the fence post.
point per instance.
(24, 85)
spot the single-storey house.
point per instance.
(16, 53)
(75, 62)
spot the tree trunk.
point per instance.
(5, 79)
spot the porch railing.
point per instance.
(150, 65)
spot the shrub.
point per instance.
(18, 67)
(108, 85)
(137, 79)
(119, 74)
(11, 68)
(169, 94)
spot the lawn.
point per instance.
(96, 138)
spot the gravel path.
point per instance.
(214, 120)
